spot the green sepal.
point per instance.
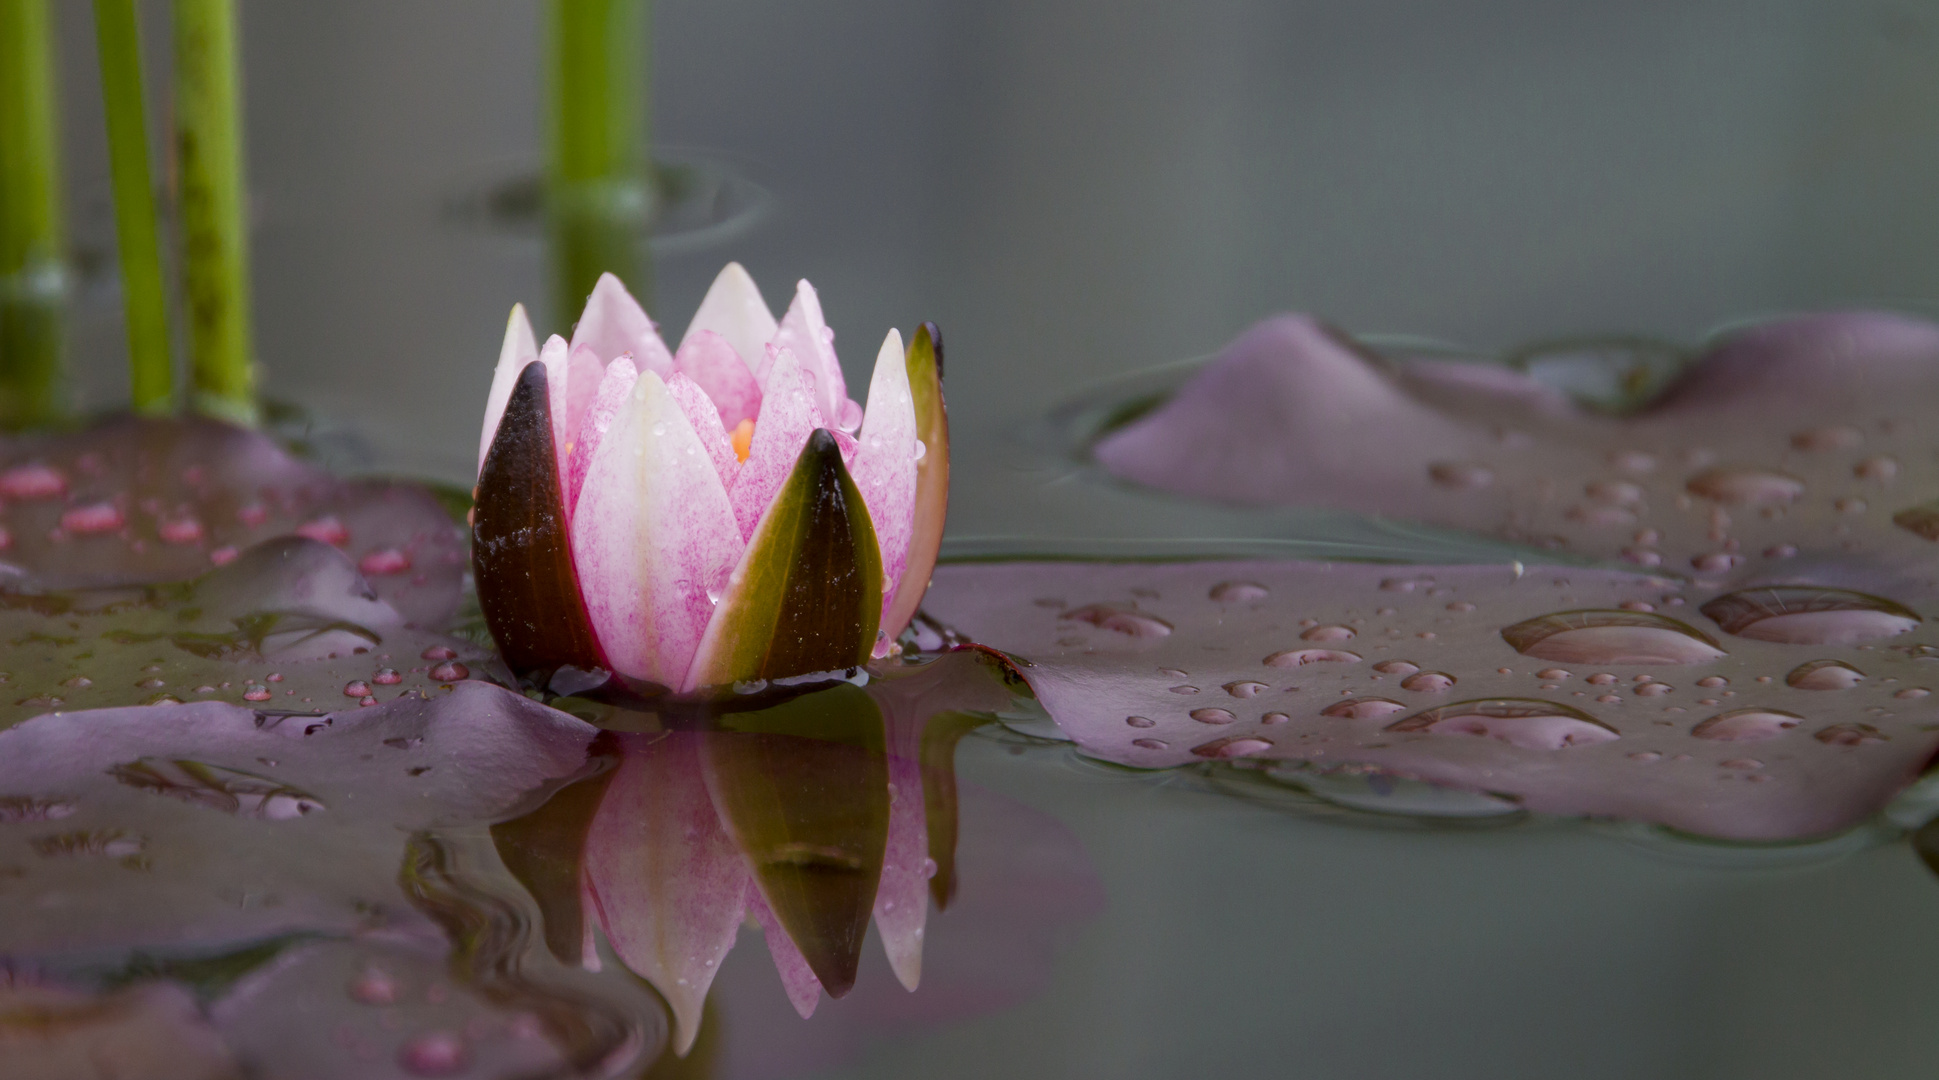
(807, 595)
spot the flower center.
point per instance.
(743, 438)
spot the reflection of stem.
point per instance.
(31, 276)
(215, 240)
(150, 375)
(599, 193)
(488, 935)
(939, 806)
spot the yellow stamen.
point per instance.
(743, 436)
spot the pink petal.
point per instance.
(614, 325)
(805, 332)
(707, 359)
(654, 538)
(706, 424)
(574, 384)
(885, 464)
(788, 416)
(797, 978)
(614, 389)
(733, 308)
(518, 350)
(902, 897)
(667, 884)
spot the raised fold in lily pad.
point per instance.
(1786, 443)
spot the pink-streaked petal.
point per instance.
(667, 883)
(885, 463)
(519, 349)
(576, 384)
(804, 331)
(654, 538)
(902, 897)
(705, 419)
(797, 978)
(708, 359)
(614, 325)
(788, 416)
(615, 387)
(733, 308)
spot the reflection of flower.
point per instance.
(719, 514)
(811, 816)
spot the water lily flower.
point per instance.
(717, 514)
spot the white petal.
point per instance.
(615, 389)
(654, 537)
(518, 350)
(733, 308)
(804, 331)
(614, 325)
(707, 425)
(885, 462)
(788, 417)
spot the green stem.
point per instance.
(32, 272)
(598, 190)
(215, 239)
(150, 375)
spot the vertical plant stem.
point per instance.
(215, 239)
(118, 39)
(32, 271)
(599, 193)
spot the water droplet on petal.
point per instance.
(1808, 615)
(1654, 689)
(1746, 487)
(1245, 689)
(98, 517)
(1824, 675)
(1151, 744)
(1911, 693)
(1524, 722)
(1397, 667)
(1328, 633)
(438, 652)
(182, 530)
(1140, 721)
(1833, 437)
(435, 1053)
(384, 561)
(374, 987)
(387, 677)
(1746, 725)
(451, 671)
(1274, 718)
(1213, 716)
(1611, 637)
(1554, 674)
(1880, 468)
(325, 530)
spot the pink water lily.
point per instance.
(716, 514)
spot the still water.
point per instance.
(1172, 862)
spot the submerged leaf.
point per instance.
(807, 595)
(521, 553)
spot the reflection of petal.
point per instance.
(797, 978)
(669, 886)
(902, 899)
(545, 851)
(803, 789)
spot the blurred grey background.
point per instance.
(1075, 188)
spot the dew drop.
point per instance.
(1274, 718)
(450, 671)
(254, 692)
(1246, 689)
(387, 677)
(1213, 716)
(1712, 681)
(1554, 674)
(435, 1053)
(1460, 475)
(1232, 747)
(1850, 735)
(1134, 624)
(1808, 615)
(1745, 487)
(1328, 633)
(1824, 675)
(32, 482)
(1238, 592)
(1151, 744)
(438, 652)
(1611, 637)
(1292, 658)
(185, 530)
(1428, 682)
(384, 561)
(374, 987)
(1881, 468)
(1601, 678)
(101, 517)
(1396, 667)
(1367, 708)
(325, 530)
(1746, 725)
(1523, 722)
(1820, 439)
(1141, 721)
(1654, 689)
(1716, 562)
(1646, 755)
(1912, 693)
